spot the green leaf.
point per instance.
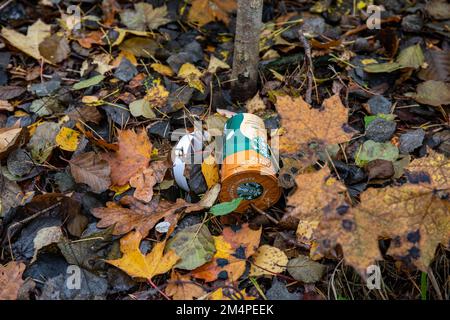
(224, 208)
(411, 57)
(142, 107)
(369, 119)
(382, 67)
(372, 150)
(88, 82)
(194, 245)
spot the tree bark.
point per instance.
(246, 49)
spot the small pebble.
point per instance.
(380, 130)
(411, 140)
(379, 104)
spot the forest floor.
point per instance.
(94, 97)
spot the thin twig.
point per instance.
(272, 219)
(309, 63)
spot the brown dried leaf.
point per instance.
(181, 287)
(147, 179)
(11, 280)
(205, 11)
(132, 157)
(138, 216)
(90, 169)
(9, 139)
(85, 114)
(438, 66)
(305, 124)
(414, 215)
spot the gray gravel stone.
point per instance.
(411, 140)
(379, 104)
(380, 130)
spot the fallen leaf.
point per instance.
(143, 16)
(11, 92)
(438, 9)
(90, 169)
(133, 156)
(313, 193)
(210, 171)
(181, 287)
(93, 37)
(9, 139)
(162, 69)
(85, 114)
(29, 44)
(411, 57)
(268, 260)
(68, 139)
(414, 216)
(157, 96)
(88, 82)
(372, 150)
(433, 93)
(5, 105)
(43, 142)
(233, 247)
(216, 64)
(194, 246)
(138, 216)
(142, 108)
(45, 237)
(140, 47)
(305, 124)
(205, 11)
(305, 270)
(225, 208)
(147, 179)
(11, 280)
(230, 294)
(255, 104)
(438, 66)
(54, 49)
(137, 265)
(189, 73)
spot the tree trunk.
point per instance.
(246, 49)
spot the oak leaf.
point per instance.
(132, 157)
(11, 280)
(305, 125)
(233, 247)
(139, 216)
(90, 169)
(138, 265)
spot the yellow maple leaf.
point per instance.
(137, 265)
